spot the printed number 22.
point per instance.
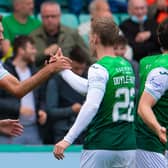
(125, 104)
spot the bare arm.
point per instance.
(19, 89)
(146, 113)
(155, 87)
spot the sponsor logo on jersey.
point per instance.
(154, 83)
(163, 73)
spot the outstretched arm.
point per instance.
(19, 89)
(76, 82)
(97, 78)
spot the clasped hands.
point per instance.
(61, 61)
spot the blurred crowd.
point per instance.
(49, 111)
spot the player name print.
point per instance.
(119, 80)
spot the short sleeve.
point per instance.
(157, 82)
(3, 72)
(97, 77)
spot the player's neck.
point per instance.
(104, 51)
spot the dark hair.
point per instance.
(162, 33)
(106, 29)
(121, 40)
(20, 42)
(78, 54)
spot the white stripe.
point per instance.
(146, 159)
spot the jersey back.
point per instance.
(112, 127)
(146, 139)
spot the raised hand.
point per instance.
(58, 55)
(11, 127)
(59, 61)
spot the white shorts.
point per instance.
(107, 159)
(147, 159)
(166, 155)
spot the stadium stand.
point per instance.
(84, 18)
(69, 20)
(116, 19)
(5, 5)
(2, 13)
(123, 16)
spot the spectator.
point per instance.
(63, 102)
(158, 10)
(11, 84)
(20, 22)
(120, 48)
(52, 32)
(21, 66)
(140, 30)
(98, 8)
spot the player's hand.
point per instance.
(59, 61)
(58, 55)
(60, 148)
(42, 117)
(162, 135)
(11, 127)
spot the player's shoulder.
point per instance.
(159, 76)
(97, 70)
(157, 82)
(148, 59)
(159, 71)
(111, 60)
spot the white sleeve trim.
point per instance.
(91, 105)
(157, 82)
(3, 72)
(76, 82)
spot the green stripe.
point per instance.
(42, 148)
